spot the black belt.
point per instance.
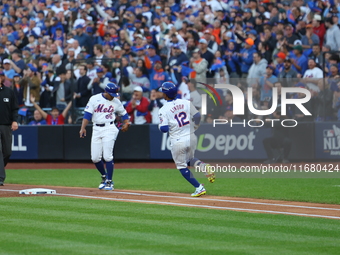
(103, 125)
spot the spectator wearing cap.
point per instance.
(58, 36)
(138, 26)
(280, 58)
(246, 57)
(107, 13)
(12, 34)
(158, 76)
(333, 73)
(83, 39)
(17, 63)
(183, 89)
(299, 61)
(137, 107)
(8, 70)
(231, 57)
(82, 94)
(253, 35)
(200, 66)
(99, 83)
(55, 23)
(31, 84)
(206, 52)
(177, 58)
(211, 44)
(309, 39)
(108, 41)
(248, 16)
(57, 7)
(290, 37)
(257, 69)
(47, 86)
(266, 84)
(91, 69)
(332, 37)
(179, 20)
(319, 28)
(27, 55)
(152, 54)
(288, 74)
(312, 75)
(148, 14)
(176, 40)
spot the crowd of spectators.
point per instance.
(54, 53)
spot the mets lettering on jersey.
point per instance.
(104, 110)
(100, 108)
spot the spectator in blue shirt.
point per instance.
(246, 56)
(266, 84)
(299, 61)
(38, 119)
(152, 55)
(158, 76)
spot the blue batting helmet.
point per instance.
(112, 89)
(169, 89)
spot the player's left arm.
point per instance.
(195, 116)
(125, 117)
(163, 123)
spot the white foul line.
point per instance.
(191, 205)
(226, 200)
(201, 206)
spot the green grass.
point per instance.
(310, 190)
(61, 225)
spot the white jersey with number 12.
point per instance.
(177, 114)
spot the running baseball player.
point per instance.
(180, 118)
(101, 109)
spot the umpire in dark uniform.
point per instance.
(278, 141)
(8, 123)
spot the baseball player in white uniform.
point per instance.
(180, 118)
(101, 109)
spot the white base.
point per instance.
(37, 191)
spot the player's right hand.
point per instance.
(82, 133)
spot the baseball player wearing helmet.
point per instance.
(180, 118)
(101, 109)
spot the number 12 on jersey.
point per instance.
(181, 119)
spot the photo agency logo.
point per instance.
(238, 105)
(213, 94)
